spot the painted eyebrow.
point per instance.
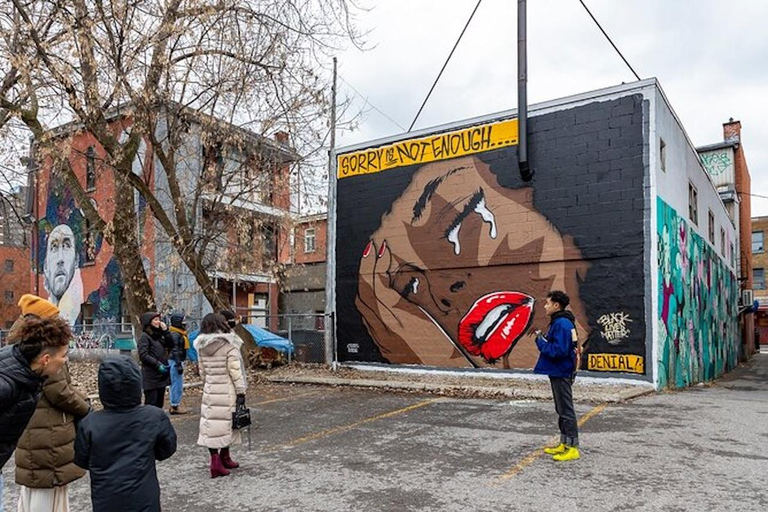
(469, 207)
(429, 190)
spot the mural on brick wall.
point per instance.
(698, 294)
(445, 255)
(65, 244)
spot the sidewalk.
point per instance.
(459, 384)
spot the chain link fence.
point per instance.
(305, 331)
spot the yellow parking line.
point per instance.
(298, 395)
(531, 457)
(196, 415)
(345, 428)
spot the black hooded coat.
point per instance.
(153, 347)
(19, 392)
(120, 444)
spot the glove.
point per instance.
(179, 368)
(162, 368)
(240, 400)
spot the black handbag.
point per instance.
(241, 418)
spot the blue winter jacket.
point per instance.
(558, 348)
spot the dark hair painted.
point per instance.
(559, 297)
(214, 323)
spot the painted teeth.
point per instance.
(491, 321)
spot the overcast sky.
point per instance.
(710, 56)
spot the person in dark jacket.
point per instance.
(179, 346)
(38, 345)
(558, 354)
(153, 346)
(120, 444)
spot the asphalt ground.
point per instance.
(345, 449)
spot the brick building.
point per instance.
(304, 289)
(247, 191)
(14, 254)
(445, 253)
(726, 164)
(760, 266)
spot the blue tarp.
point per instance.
(263, 338)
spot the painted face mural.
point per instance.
(458, 270)
(444, 256)
(60, 261)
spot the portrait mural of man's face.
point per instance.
(460, 266)
(444, 256)
(60, 261)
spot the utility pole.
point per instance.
(526, 173)
(330, 244)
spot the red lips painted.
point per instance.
(494, 323)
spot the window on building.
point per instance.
(9, 296)
(711, 223)
(246, 234)
(90, 169)
(213, 165)
(732, 256)
(757, 242)
(309, 240)
(125, 317)
(758, 278)
(722, 242)
(269, 240)
(663, 155)
(693, 204)
(88, 243)
(8, 266)
(86, 313)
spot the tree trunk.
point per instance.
(127, 250)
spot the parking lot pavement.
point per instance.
(344, 449)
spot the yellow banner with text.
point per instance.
(432, 148)
(615, 363)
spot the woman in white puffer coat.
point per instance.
(222, 370)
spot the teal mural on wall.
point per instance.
(698, 294)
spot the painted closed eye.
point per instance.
(476, 204)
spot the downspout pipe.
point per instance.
(526, 173)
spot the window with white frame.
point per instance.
(757, 242)
(309, 240)
(663, 155)
(693, 203)
(758, 277)
(711, 223)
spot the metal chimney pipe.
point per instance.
(526, 173)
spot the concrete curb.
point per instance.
(508, 392)
(95, 396)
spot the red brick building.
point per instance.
(244, 225)
(14, 255)
(726, 164)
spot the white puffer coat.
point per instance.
(221, 368)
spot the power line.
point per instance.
(444, 65)
(608, 38)
(374, 107)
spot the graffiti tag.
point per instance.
(614, 326)
(616, 363)
(715, 163)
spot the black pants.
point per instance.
(154, 397)
(566, 416)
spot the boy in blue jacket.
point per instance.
(558, 360)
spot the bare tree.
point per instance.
(192, 81)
